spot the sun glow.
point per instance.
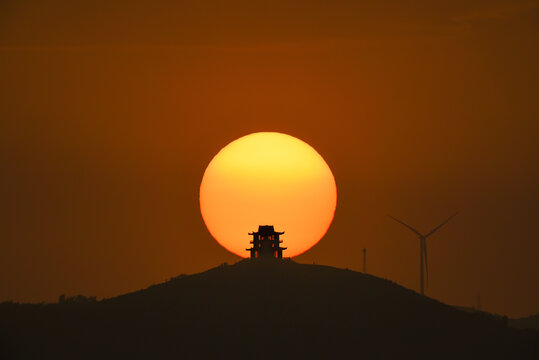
(268, 178)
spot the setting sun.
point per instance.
(268, 178)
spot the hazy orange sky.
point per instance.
(109, 115)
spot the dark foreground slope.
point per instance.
(529, 322)
(262, 310)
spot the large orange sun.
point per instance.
(268, 178)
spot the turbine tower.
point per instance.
(423, 263)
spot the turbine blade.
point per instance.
(426, 262)
(439, 226)
(408, 226)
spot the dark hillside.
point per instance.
(262, 310)
(530, 322)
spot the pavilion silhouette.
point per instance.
(266, 243)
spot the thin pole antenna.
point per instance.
(479, 302)
(364, 261)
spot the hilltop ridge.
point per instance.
(263, 309)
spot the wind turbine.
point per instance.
(423, 263)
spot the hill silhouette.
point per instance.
(529, 322)
(261, 310)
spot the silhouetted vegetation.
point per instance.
(261, 310)
(76, 299)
